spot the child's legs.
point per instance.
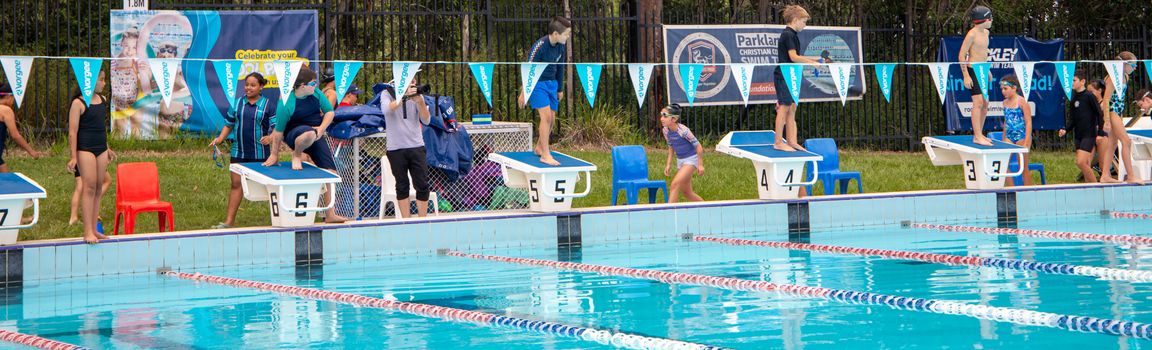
(686, 183)
(1123, 140)
(76, 192)
(235, 194)
(1084, 162)
(781, 122)
(89, 202)
(979, 110)
(547, 116)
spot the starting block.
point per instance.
(984, 166)
(779, 174)
(550, 188)
(279, 184)
(1141, 153)
(16, 192)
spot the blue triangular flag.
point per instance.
(228, 71)
(689, 79)
(590, 77)
(884, 78)
(483, 74)
(1065, 71)
(1148, 68)
(792, 75)
(345, 72)
(86, 69)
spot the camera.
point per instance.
(423, 89)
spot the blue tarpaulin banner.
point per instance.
(1047, 97)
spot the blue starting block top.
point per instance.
(282, 173)
(1141, 133)
(530, 162)
(18, 186)
(757, 146)
(964, 143)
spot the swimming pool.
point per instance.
(147, 310)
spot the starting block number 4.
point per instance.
(301, 202)
(765, 183)
(970, 169)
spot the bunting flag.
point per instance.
(483, 74)
(345, 73)
(1024, 71)
(403, 73)
(1065, 71)
(86, 70)
(1119, 79)
(939, 73)
(640, 74)
(841, 77)
(983, 76)
(530, 73)
(1147, 68)
(793, 73)
(228, 71)
(286, 72)
(884, 78)
(17, 69)
(164, 72)
(742, 74)
(590, 77)
(689, 79)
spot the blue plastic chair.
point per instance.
(829, 169)
(1014, 163)
(630, 173)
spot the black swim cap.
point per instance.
(979, 14)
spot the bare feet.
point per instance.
(547, 159)
(981, 140)
(91, 238)
(296, 164)
(334, 219)
(1108, 180)
(800, 148)
(783, 147)
(1134, 180)
(73, 220)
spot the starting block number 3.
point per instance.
(301, 202)
(970, 166)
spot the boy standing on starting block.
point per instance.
(975, 50)
(546, 96)
(789, 47)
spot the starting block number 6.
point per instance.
(970, 166)
(301, 202)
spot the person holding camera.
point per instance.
(406, 117)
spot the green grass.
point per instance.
(198, 190)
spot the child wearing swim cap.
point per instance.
(975, 50)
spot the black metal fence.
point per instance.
(604, 31)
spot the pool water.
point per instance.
(151, 311)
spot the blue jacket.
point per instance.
(543, 51)
(449, 151)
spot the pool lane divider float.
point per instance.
(946, 259)
(1071, 236)
(36, 342)
(1002, 314)
(1121, 215)
(617, 339)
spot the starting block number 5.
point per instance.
(301, 202)
(535, 190)
(970, 167)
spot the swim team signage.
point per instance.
(1046, 91)
(716, 47)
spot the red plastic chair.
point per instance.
(138, 191)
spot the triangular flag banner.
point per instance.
(286, 72)
(742, 74)
(1065, 71)
(841, 75)
(792, 74)
(689, 79)
(884, 78)
(483, 74)
(403, 73)
(939, 73)
(1147, 68)
(164, 72)
(228, 72)
(17, 69)
(86, 70)
(983, 76)
(640, 74)
(529, 75)
(1116, 72)
(590, 77)
(345, 72)
(1024, 71)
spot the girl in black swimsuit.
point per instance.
(88, 141)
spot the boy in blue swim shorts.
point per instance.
(545, 98)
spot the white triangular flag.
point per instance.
(17, 69)
(841, 76)
(530, 73)
(403, 73)
(640, 74)
(939, 73)
(742, 74)
(1024, 71)
(286, 72)
(164, 72)
(1116, 72)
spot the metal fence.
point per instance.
(604, 31)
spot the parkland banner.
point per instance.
(145, 107)
(717, 46)
(1046, 96)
